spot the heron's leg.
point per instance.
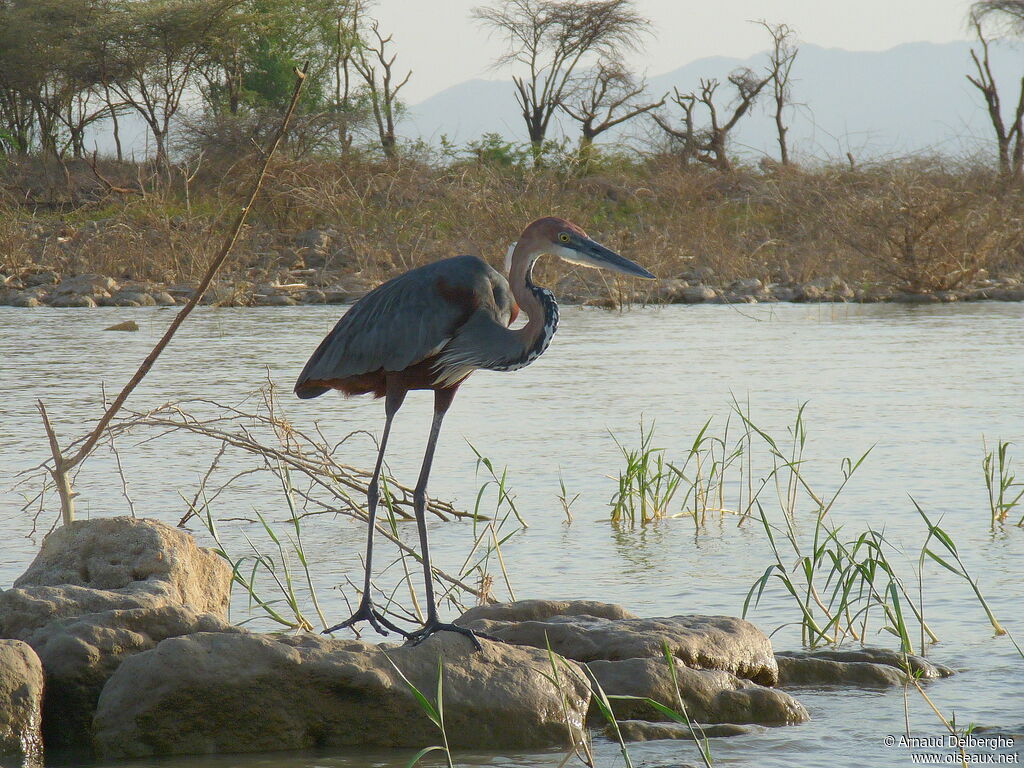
(365, 611)
(442, 401)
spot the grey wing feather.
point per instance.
(397, 325)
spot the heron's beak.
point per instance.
(592, 254)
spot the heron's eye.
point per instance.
(564, 237)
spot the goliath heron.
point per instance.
(430, 328)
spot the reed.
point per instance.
(1001, 483)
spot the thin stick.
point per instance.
(62, 465)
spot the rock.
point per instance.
(275, 301)
(923, 668)
(162, 299)
(588, 631)
(821, 672)
(25, 300)
(669, 290)
(540, 610)
(43, 277)
(710, 696)
(784, 292)
(86, 284)
(71, 300)
(127, 325)
(641, 730)
(211, 693)
(695, 294)
(749, 286)
(1006, 294)
(113, 563)
(133, 299)
(21, 699)
(915, 298)
(80, 654)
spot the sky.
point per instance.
(443, 46)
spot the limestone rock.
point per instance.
(209, 693)
(641, 730)
(21, 698)
(540, 610)
(80, 654)
(865, 667)
(710, 696)
(573, 630)
(113, 563)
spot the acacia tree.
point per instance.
(375, 65)
(548, 39)
(709, 145)
(1009, 136)
(155, 50)
(609, 97)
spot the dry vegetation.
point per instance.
(915, 225)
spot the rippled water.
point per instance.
(921, 384)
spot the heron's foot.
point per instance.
(367, 612)
(417, 637)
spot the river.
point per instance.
(922, 384)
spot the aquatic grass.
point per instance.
(434, 710)
(647, 483)
(1001, 483)
(703, 471)
(580, 748)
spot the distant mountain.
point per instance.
(910, 98)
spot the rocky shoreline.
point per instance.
(307, 268)
(45, 288)
(115, 644)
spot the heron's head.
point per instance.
(570, 243)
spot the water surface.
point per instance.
(922, 385)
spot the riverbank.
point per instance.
(37, 285)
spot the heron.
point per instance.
(429, 329)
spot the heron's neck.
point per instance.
(538, 303)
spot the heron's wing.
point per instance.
(400, 323)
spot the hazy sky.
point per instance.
(443, 46)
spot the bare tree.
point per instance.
(781, 56)
(709, 145)
(1009, 138)
(1007, 13)
(549, 38)
(609, 97)
(380, 86)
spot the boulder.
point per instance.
(588, 631)
(25, 300)
(71, 300)
(710, 696)
(696, 294)
(210, 693)
(113, 563)
(80, 654)
(641, 730)
(21, 698)
(86, 284)
(865, 667)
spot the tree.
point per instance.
(154, 53)
(381, 88)
(608, 98)
(1009, 138)
(781, 56)
(550, 38)
(710, 144)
